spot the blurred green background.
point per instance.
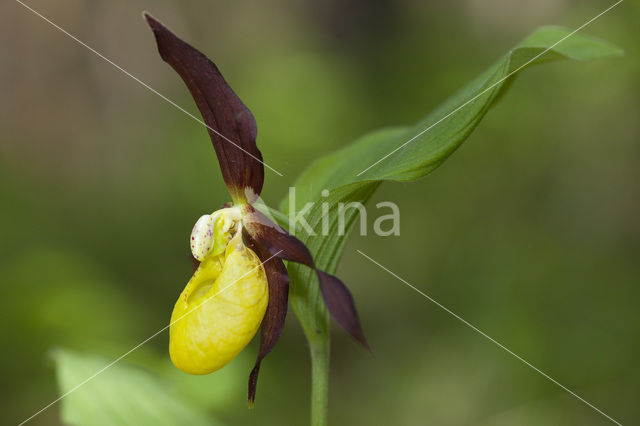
(530, 231)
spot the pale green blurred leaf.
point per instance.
(340, 172)
(121, 395)
(211, 392)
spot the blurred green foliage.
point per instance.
(530, 231)
(118, 395)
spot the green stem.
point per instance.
(319, 380)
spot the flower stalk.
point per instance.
(320, 353)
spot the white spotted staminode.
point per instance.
(213, 231)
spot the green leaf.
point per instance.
(350, 176)
(120, 395)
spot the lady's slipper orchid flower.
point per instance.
(241, 283)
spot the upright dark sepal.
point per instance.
(273, 321)
(231, 125)
(278, 242)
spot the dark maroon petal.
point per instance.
(195, 262)
(253, 383)
(276, 239)
(278, 242)
(231, 125)
(273, 321)
(341, 306)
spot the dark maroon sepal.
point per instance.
(231, 125)
(341, 306)
(274, 317)
(278, 242)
